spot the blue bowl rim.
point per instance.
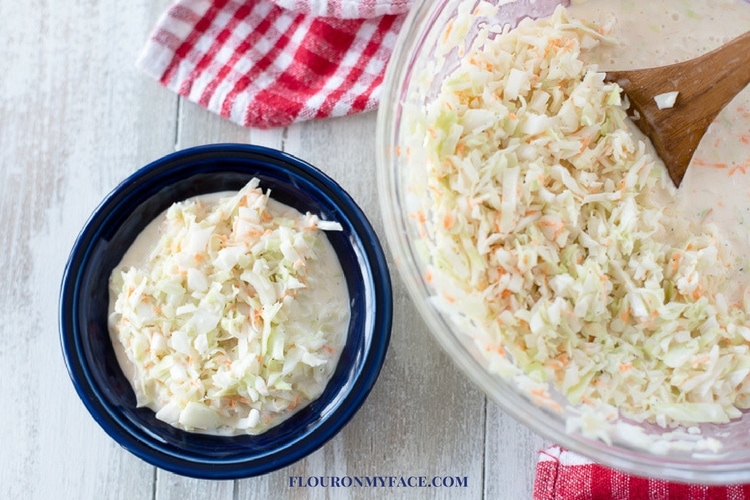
(146, 445)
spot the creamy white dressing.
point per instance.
(323, 302)
(716, 187)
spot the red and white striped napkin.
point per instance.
(564, 475)
(269, 63)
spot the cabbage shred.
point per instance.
(550, 240)
(221, 325)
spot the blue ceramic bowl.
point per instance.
(90, 357)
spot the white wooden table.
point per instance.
(76, 117)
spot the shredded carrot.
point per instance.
(675, 260)
(496, 348)
(419, 216)
(701, 360)
(294, 403)
(739, 168)
(428, 276)
(540, 393)
(448, 29)
(448, 221)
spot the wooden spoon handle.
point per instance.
(728, 68)
(676, 132)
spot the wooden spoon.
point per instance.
(705, 85)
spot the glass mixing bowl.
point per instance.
(641, 449)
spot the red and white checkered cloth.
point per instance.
(564, 475)
(269, 63)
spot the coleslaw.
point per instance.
(549, 239)
(237, 316)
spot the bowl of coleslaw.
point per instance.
(228, 328)
(541, 242)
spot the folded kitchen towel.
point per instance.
(564, 475)
(346, 9)
(269, 63)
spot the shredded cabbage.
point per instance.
(237, 319)
(550, 240)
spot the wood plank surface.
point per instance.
(76, 117)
